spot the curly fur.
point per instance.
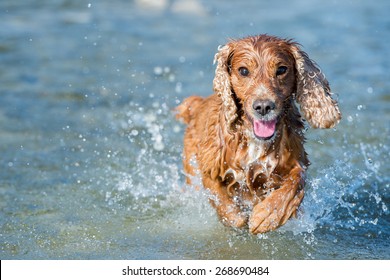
(256, 179)
(313, 93)
(221, 84)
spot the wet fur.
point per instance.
(253, 181)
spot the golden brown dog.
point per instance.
(246, 140)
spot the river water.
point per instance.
(91, 153)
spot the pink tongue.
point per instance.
(264, 129)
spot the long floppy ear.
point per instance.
(221, 84)
(313, 93)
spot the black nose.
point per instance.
(263, 107)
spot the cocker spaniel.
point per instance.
(246, 140)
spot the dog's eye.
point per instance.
(243, 71)
(281, 70)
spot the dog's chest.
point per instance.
(252, 162)
(253, 154)
(256, 158)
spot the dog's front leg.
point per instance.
(280, 205)
(229, 212)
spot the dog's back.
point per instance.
(186, 110)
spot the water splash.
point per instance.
(343, 196)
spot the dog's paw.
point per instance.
(264, 218)
(234, 219)
(272, 213)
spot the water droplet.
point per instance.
(171, 78)
(176, 129)
(158, 146)
(178, 87)
(158, 70)
(134, 132)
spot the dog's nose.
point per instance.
(263, 107)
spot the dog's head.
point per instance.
(255, 76)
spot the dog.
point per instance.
(246, 140)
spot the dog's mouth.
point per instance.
(264, 129)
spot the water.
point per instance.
(91, 153)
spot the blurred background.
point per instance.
(90, 164)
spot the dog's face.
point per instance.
(258, 74)
(262, 76)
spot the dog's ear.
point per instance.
(313, 92)
(221, 83)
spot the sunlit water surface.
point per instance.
(91, 153)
